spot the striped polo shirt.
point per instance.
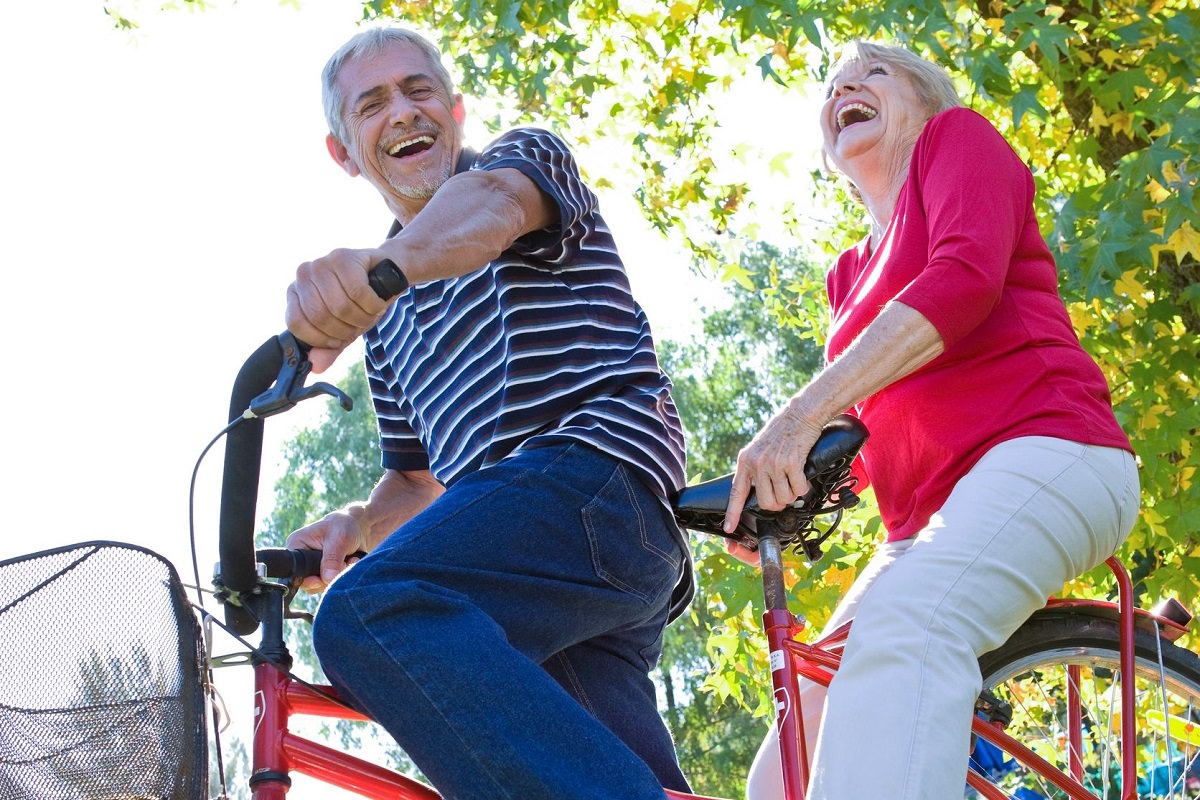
(544, 345)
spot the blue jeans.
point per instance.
(504, 636)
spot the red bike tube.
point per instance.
(270, 780)
(278, 751)
(786, 686)
(1032, 760)
(351, 773)
(317, 702)
(1075, 722)
(1128, 754)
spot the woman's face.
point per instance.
(871, 118)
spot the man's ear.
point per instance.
(342, 156)
(459, 110)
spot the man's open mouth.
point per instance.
(410, 147)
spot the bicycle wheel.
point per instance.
(1033, 671)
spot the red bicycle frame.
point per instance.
(277, 751)
(792, 659)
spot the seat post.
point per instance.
(770, 556)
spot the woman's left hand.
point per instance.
(773, 464)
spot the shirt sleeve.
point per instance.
(976, 195)
(545, 159)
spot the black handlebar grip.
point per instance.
(295, 564)
(281, 563)
(387, 280)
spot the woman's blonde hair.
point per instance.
(932, 84)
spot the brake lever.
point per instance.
(388, 281)
(289, 388)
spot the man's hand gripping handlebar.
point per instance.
(270, 381)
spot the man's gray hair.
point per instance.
(369, 43)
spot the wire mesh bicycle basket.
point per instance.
(101, 695)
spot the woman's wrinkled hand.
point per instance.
(772, 465)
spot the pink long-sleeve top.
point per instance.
(963, 248)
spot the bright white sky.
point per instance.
(159, 189)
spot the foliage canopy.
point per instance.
(1100, 99)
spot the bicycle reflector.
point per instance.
(101, 694)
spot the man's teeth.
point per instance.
(854, 112)
(408, 144)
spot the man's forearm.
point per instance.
(397, 498)
(473, 218)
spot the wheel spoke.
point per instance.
(1075, 662)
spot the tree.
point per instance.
(1099, 99)
(746, 362)
(728, 380)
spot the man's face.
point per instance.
(404, 129)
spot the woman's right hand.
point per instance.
(742, 553)
(772, 465)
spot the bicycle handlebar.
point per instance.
(269, 382)
(289, 564)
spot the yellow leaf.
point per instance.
(1157, 192)
(1129, 286)
(647, 20)
(1082, 317)
(681, 11)
(1109, 56)
(1122, 121)
(996, 24)
(836, 576)
(1185, 239)
(1153, 416)
(1185, 477)
(1098, 119)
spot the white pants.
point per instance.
(1031, 515)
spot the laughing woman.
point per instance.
(998, 466)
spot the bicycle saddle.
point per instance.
(701, 507)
